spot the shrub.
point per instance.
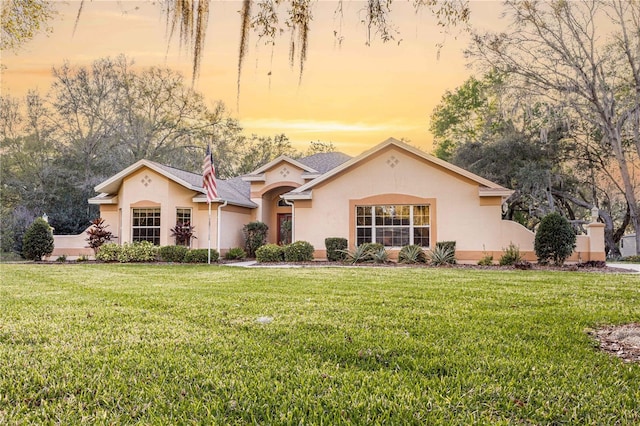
(108, 252)
(173, 253)
(235, 253)
(412, 254)
(335, 248)
(62, 258)
(201, 256)
(372, 247)
(380, 255)
(511, 255)
(487, 260)
(299, 251)
(442, 255)
(98, 234)
(633, 259)
(37, 240)
(555, 239)
(451, 245)
(82, 258)
(360, 254)
(183, 233)
(270, 253)
(138, 251)
(255, 235)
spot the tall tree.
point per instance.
(584, 58)
(270, 19)
(21, 20)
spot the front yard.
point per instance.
(177, 344)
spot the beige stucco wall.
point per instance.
(394, 176)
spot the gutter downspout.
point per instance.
(218, 236)
(293, 219)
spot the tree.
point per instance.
(22, 20)
(559, 53)
(555, 239)
(270, 19)
(37, 240)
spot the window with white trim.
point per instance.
(145, 225)
(395, 225)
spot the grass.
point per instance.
(183, 344)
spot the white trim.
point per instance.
(113, 184)
(289, 160)
(254, 178)
(104, 198)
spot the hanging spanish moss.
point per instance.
(244, 39)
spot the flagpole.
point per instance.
(209, 234)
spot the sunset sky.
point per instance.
(352, 95)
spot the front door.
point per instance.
(284, 228)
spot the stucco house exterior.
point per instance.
(393, 193)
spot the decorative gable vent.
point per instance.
(284, 172)
(146, 180)
(392, 161)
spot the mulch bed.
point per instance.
(622, 341)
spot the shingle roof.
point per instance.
(234, 190)
(325, 161)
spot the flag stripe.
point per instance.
(209, 177)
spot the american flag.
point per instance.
(209, 177)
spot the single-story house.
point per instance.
(393, 194)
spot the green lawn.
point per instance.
(180, 344)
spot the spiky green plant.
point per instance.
(380, 255)
(442, 255)
(360, 254)
(412, 254)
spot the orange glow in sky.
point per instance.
(352, 95)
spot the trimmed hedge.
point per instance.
(299, 251)
(201, 256)
(270, 253)
(108, 252)
(173, 253)
(139, 251)
(336, 247)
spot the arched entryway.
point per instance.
(278, 215)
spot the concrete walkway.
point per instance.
(633, 266)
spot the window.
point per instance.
(146, 225)
(183, 231)
(183, 215)
(393, 225)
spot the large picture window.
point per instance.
(146, 225)
(393, 225)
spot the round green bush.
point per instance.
(108, 252)
(299, 251)
(270, 253)
(173, 253)
(555, 239)
(37, 240)
(336, 248)
(201, 256)
(138, 251)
